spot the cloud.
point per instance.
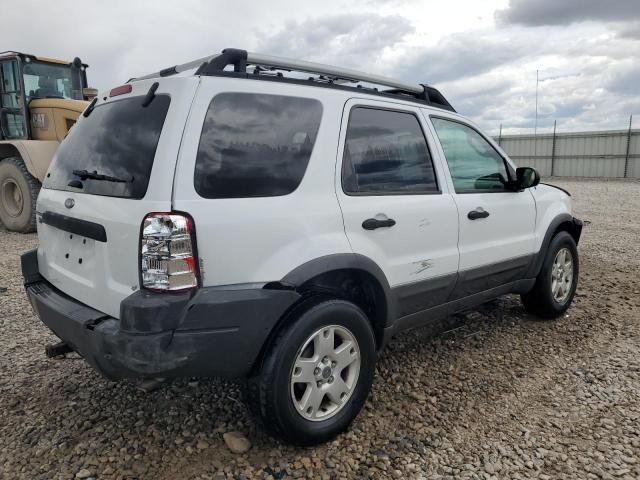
(588, 73)
(349, 39)
(625, 80)
(565, 12)
(586, 82)
(460, 56)
(630, 31)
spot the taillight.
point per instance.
(168, 252)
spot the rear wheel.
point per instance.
(316, 374)
(556, 283)
(18, 194)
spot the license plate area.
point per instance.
(70, 254)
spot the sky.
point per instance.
(481, 54)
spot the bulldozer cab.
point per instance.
(24, 78)
(40, 100)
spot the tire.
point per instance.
(18, 195)
(541, 300)
(279, 401)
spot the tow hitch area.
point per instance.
(57, 349)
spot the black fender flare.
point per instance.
(343, 261)
(538, 259)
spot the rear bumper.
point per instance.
(212, 332)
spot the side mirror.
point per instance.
(526, 177)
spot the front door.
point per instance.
(396, 208)
(497, 224)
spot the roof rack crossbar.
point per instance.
(330, 70)
(241, 58)
(176, 69)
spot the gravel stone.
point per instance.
(237, 442)
(536, 399)
(202, 445)
(84, 473)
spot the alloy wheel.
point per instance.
(325, 373)
(562, 275)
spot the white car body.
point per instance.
(256, 241)
(433, 260)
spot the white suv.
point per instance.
(244, 220)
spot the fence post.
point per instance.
(626, 158)
(500, 136)
(553, 147)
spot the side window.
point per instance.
(474, 165)
(255, 145)
(385, 153)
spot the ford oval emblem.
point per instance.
(69, 202)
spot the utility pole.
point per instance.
(535, 125)
(553, 148)
(500, 136)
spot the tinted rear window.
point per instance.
(255, 145)
(119, 139)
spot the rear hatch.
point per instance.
(115, 166)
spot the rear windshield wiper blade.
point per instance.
(84, 174)
(90, 108)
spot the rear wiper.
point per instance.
(151, 94)
(84, 174)
(90, 108)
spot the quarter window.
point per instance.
(474, 164)
(255, 145)
(386, 153)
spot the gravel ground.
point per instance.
(499, 395)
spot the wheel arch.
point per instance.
(334, 273)
(563, 222)
(36, 154)
(8, 150)
(348, 276)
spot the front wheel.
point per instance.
(316, 374)
(18, 194)
(556, 283)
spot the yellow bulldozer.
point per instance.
(40, 100)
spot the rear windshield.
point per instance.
(116, 143)
(255, 145)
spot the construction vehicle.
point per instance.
(40, 100)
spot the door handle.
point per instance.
(373, 223)
(477, 213)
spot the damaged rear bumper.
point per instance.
(212, 332)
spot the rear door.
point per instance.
(496, 223)
(256, 172)
(115, 166)
(397, 209)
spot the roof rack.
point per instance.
(9, 53)
(328, 75)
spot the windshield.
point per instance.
(46, 80)
(111, 151)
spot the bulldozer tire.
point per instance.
(18, 193)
